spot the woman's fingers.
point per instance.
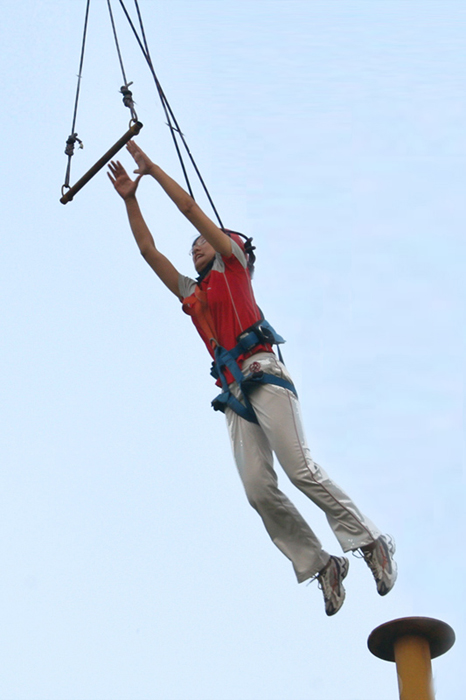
(113, 167)
(132, 148)
(116, 168)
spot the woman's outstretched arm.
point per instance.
(185, 203)
(126, 188)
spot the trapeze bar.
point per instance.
(132, 131)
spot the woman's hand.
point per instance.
(143, 161)
(121, 181)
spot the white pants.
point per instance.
(280, 431)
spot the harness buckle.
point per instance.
(260, 332)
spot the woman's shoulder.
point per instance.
(186, 286)
(237, 252)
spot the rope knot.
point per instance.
(70, 141)
(128, 100)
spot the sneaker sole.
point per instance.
(344, 568)
(391, 547)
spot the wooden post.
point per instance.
(412, 642)
(132, 131)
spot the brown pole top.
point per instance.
(440, 636)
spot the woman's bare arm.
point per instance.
(185, 203)
(126, 188)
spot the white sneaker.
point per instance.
(330, 582)
(379, 559)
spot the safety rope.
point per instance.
(172, 122)
(125, 91)
(73, 137)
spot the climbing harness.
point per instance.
(259, 333)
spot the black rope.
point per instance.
(125, 91)
(174, 127)
(73, 137)
(116, 42)
(162, 99)
(142, 28)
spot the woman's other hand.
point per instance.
(124, 185)
(143, 161)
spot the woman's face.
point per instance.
(202, 253)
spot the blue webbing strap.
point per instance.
(263, 378)
(227, 358)
(224, 358)
(227, 400)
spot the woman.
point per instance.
(258, 397)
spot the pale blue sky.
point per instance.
(334, 133)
